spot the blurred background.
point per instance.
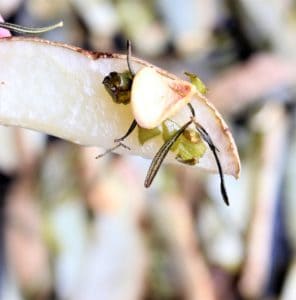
(72, 227)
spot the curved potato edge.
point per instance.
(94, 55)
(231, 149)
(226, 131)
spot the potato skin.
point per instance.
(70, 92)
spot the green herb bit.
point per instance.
(129, 131)
(119, 85)
(190, 148)
(169, 128)
(162, 153)
(145, 135)
(184, 156)
(189, 161)
(23, 29)
(192, 136)
(201, 87)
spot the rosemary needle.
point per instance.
(162, 153)
(23, 29)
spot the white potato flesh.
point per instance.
(57, 89)
(154, 97)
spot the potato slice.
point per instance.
(57, 89)
(154, 97)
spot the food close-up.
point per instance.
(148, 150)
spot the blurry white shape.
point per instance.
(227, 250)
(9, 157)
(267, 185)
(68, 221)
(272, 19)
(289, 288)
(19, 147)
(99, 16)
(236, 216)
(138, 22)
(114, 263)
(7, 8)
(30, 145)
(152, 40)
(9, 291)
(190, 22)
(36, 140)
(222, 240)
(173, 221)
(47, 10)
(290, 203)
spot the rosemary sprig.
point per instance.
(129, 131)
(206, 137)
(128, 57)
(112, 149)
(162, 153)
(23, 29)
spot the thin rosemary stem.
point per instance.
(206, 137)
(129, 131)
(129, 55)
(23, 29)
(191, 109)
(161, 154)
(222, 183)
(112, 149)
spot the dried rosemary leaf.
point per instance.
(162, 153)
(29, 30)
(169, 128)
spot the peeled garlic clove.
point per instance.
(154, 98)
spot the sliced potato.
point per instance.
(154, 97)
(57, 89)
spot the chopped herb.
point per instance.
(145, 135)
(201, 87)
